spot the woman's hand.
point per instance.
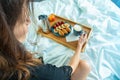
(82, 40)
(74, 62)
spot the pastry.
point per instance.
(68, 29)
(61, 28)
(55, 31)
(61, 33)
(66, 25)
(64, 31)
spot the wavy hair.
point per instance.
(14, 59)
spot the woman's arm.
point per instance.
(76, 57)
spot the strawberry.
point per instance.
(59, 23)
(62, 22)
(54, 26)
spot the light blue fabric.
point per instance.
(103, 48)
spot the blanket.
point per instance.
(103, 49)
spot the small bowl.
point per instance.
(77, 30)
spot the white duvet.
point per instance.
(103, 48)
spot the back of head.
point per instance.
(13, 57)
(8, 42)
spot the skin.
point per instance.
(21, 30)
(80, 68)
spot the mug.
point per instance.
(77, 30)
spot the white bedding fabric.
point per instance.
(103, 48)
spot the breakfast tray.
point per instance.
(62, 40)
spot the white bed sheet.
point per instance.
(103, 49)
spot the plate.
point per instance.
(61, 29)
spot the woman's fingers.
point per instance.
(85, 36)
(83, 39)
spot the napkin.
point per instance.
(71, 37)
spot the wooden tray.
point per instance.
(62, 40)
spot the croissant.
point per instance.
(67, 29)
(61, 33)
(55, 30)
(64, 31)
(63, 26)
(66, 25)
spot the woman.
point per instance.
(18, 64)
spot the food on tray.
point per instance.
(51, 17)
(68, 29)
(64, 30)
(61, 33)
(61, 28)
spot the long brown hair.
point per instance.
(14, 59)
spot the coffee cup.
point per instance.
(77, 30)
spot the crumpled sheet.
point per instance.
(103, 49)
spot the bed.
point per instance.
(103, 49)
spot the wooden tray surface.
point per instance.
(62, 40)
